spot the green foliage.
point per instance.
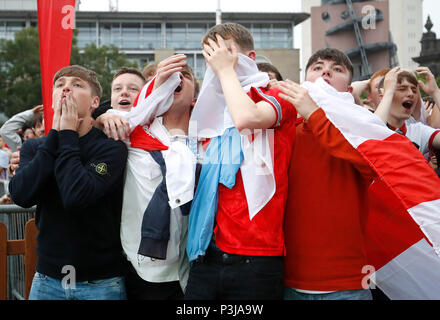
(104, 61)
(423, 78)
(20, 80)
(20, 83)
(364, 96)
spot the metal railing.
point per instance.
(15, 218)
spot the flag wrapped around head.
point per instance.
(210, 118)
(402, 238)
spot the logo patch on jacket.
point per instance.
(101, 168)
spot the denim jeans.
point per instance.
(47, 288)
(238, 277)
(292, 294)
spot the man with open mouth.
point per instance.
(126, 84)
(399, 98)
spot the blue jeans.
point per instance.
(291, 294)
(47, 288)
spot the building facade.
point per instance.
(398, 22)
(151, 36)
(430, 53)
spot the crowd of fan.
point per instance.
(372, 94)
(30, 123)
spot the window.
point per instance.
(262, 35)
(86, 33)
(197, 62)
(196, 31)
(282, 36)
(131, 35)
(9, 28)
(176, 35)
(270, 36)
(186, 35)
(110, 34)
(152, 36)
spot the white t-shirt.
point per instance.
(420, 134)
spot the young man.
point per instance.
(237, 254)
(74, 175)
(399, 96)
(153, 228)
(327, 202)
(126, 84)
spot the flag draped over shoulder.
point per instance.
(55, 25)
(148, 133)
(403, 230)
(210, 118)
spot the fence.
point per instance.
(15, 218)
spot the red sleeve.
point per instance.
(283, 109)
(336, 144)
(431, 139)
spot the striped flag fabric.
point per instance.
(403, 228)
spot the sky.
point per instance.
(196, 5)
(431, 7)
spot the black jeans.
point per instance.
(139, 289)
(225, 276)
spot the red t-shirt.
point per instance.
(234, 232)
(326, 210)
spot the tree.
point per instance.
(104, 60)
(20, 79)
(20, 83)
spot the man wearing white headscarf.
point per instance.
(235, 236)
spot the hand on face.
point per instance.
(390, 81)
(167, 67)
(14, 162)
(219, 55)
(69, 113)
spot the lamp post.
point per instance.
(218, 14)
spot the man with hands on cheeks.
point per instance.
(74, 175)
(242, 257)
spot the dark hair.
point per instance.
(124, 70)
(229, 30)
(333, 55)
(85, 74)
(267, 67)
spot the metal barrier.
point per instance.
(15, 218)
